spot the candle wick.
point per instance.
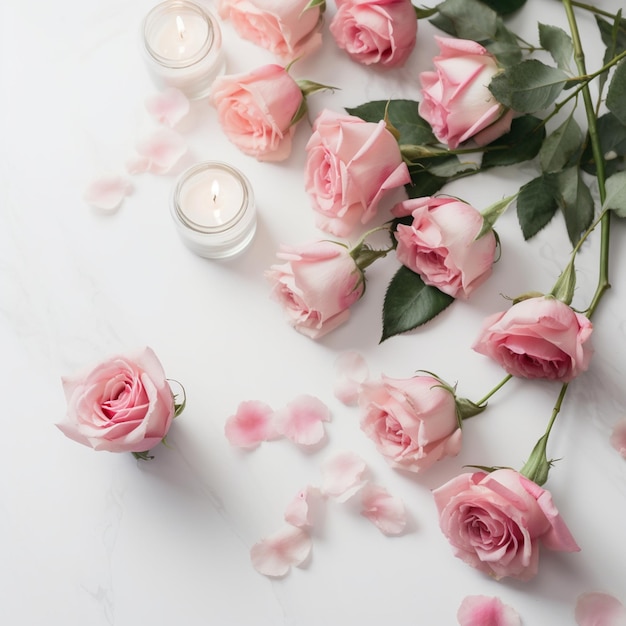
(180, 25)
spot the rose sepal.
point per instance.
(538, 466)
(465, 408)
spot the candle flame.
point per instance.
(180, 25)
(215, 190)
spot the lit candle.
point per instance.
(183, 44)
(213, 207)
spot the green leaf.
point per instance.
(575, 201)
(616, 95)
(612, 136)
(558, 43)
(521, 143)
(423, 183)
(409, 303)
(504, 7)
(529, 86)
(613, 34)
(424, 12)
(403, 114)
(616, 194)
(466, 19)
(561, 146)
(536, 204)
(505, 47)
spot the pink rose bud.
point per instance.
(413, 422)
(440, 244)
(316, 286)
(495, 522)
(456, 100)
(350, 165)
(538, 338)
(256, 110)
(287, 28)
(125, 404)
(375, 31)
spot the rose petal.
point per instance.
(107, 191)
(385, 511)
(299, 511)
(342, 474)
(164, 148)
(618, 437)
(351, 371)
(250, 425)
(599, 609)
(301, 420)
(486, 611)
(274, 555)
(136, 164)
(168, 107)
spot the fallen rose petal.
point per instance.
(342, 475)
(274, 555)
(164, 148)
(299, 511)
(599, 609)
(618, 437)
(351, 371)
(387, 512)
(137, 164)
(250, 425)
(486, 611)
(301, 420)
(168, 107)
(107, 192)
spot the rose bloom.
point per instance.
(538, 338)
(350, 164)
(413, 421)
(496, 521)
(286, 28)
(122, 405)
(456, 101)
(316, 286)
(256, 110)
(441, 246)
(375, 31)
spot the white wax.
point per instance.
(208, 204)
(179, 35)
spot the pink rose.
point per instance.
(122, 405)
(441, 246)
(287, 28)
(256, 110)
(375, 31)
(456, 101)
(350, 164)
(316, 286)
(413, 421)
(538, 338)
(496, 521)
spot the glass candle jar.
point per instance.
(213, 208)
(183, 45)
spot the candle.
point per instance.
(183, 44)
(213, 208)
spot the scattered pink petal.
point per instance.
(301, 420)
(342, 475)
(299, 511)
(274, 555)
(137, 164)
(163, 148)
(618, 437)
(107, 192)
(599, 609)
(250, 425)
(168, 107)
(486, 611)
(351, 372)
(385, 511)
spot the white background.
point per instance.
(98, 538)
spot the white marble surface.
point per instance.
(97, 538)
